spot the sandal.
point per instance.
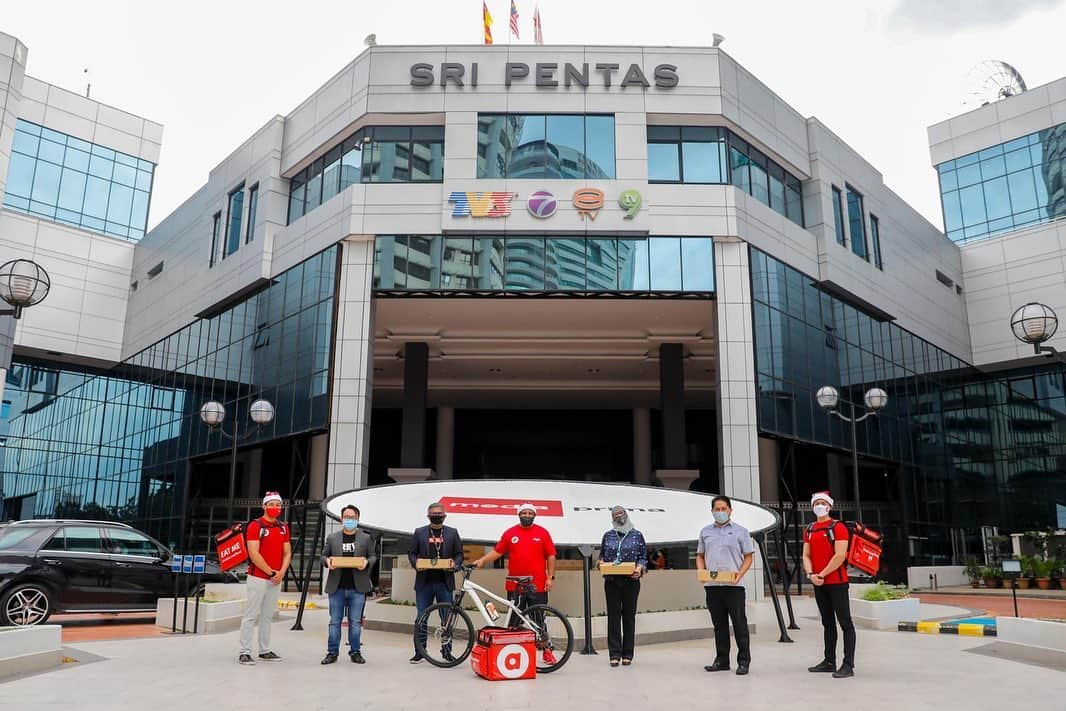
(614, 662)
(626, 662)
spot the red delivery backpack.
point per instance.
(502, 654)
(864, 546)
(231, 547)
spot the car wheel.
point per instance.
(26, 605)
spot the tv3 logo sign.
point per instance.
(506, 507)
(473, 204)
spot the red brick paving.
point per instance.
(996, 605)
(97, 628)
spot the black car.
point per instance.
(49, 566)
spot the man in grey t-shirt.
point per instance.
(726, 546)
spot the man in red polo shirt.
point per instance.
(269, 553)
(825, 550)
(530, 551)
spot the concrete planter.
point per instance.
(884, 615)
(1032, 640)
(25, 650)
(213, 617)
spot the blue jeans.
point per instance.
(426, 596)
(354, 601)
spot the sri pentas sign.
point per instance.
(576, 513)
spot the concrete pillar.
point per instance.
(12, 74)
(672, 402)
(445, 441)
(415, 385)
(641, 445)
(353, 368)
(316, 485)
(738, 429)
(769, 469)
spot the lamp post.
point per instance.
(875, 400)
(23, 283)
(1035, 323)
(213, 414)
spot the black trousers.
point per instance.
(726, 604)
(833, 602)
(621, 593)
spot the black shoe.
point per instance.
(246, 659)
(823, 666)
(416, 659)
(269, 657)
(329, 658)
(446, 655)
(357, 658)
(742, 669)
(717, 666)
(844, 672)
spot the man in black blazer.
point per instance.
(347, 587)
(435, 541)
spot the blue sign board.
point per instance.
(198, 563)
(175, 564)
(186, 564)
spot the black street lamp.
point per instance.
(23, 283)
(213, 414)
(875, 399)
(1035, 324)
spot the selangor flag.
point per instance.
(487, 19)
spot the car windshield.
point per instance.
(11, 536)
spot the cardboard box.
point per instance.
(357, 562)
(717, 576)
(429, 564)
(617, 568)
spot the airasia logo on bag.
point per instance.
(512, 661)
(508, 507)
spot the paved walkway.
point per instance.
(1000, 605)
(895, 671)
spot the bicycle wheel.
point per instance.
(555, 637)
(449, 635)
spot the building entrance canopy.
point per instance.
(575, 513)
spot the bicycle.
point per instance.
(552, 630)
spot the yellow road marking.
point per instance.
(929, 627)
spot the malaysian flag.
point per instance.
(538, 33)
(514, 19)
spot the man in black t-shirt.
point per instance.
(435, 542)
(347, 587)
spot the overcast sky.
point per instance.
(876, 72)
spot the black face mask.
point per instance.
(436, 519)
(526, 521)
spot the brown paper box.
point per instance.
(618, 569)
(357, 562)
(718, 576)
(428, 564)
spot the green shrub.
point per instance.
(882, 592)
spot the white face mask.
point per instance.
(820, 510)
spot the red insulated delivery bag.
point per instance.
(864, 546)
(503, 654)
(231, 547)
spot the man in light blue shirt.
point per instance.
(725, 546)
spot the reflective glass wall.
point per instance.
(707, 154)
(568, 146)
(66, 179)
(375, 154)
(1005, 187)
(544, 264)
(117, 445)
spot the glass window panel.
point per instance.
(253, 205)
(1022, 190)
(46, 183)
(633, 268)
(101, 167)
(993, 167)
(777, 188)
(838, 215)
(331, 174)
(875, 240)
(144, 180)
(794, 200)
(25, 142)
(973, 205)
(51, 151)
(296, 200)
(527, 159)
(120, 204)
(314, 186)
(997, 200)
(969, 175)
(495, 143)
(488, 272)
(427, 161)
(759, 188)
(125, 175)
(602, 264)
(564, 262)
(857, 224)
(1018, 160)
(739, 172)
(948, 181)
(20, 175)
(71, 190)
(664, 133)
(524, 263)
(457, 268)
(952, 212)
(234, 214)
(599, 147)
(664, 163)
(1041, 188)
(697, 264)
(78, 160)
(702, 162)
(665, 261)
(351, 166)
(104, 152)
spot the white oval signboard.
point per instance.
(575, 513)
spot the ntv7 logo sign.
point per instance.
(475, 204)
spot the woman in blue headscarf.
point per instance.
(622, 544)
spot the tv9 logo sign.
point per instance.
(512, 661)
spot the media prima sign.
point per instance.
(550, 75)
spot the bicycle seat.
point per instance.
(520, 578)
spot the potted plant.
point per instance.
(1043, 568)
(1027, 562)
(989, 576)
(973, 571)
(997, 576)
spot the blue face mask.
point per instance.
(350, 524)
(720, 516)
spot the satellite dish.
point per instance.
(991, 81)
(370, 40)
